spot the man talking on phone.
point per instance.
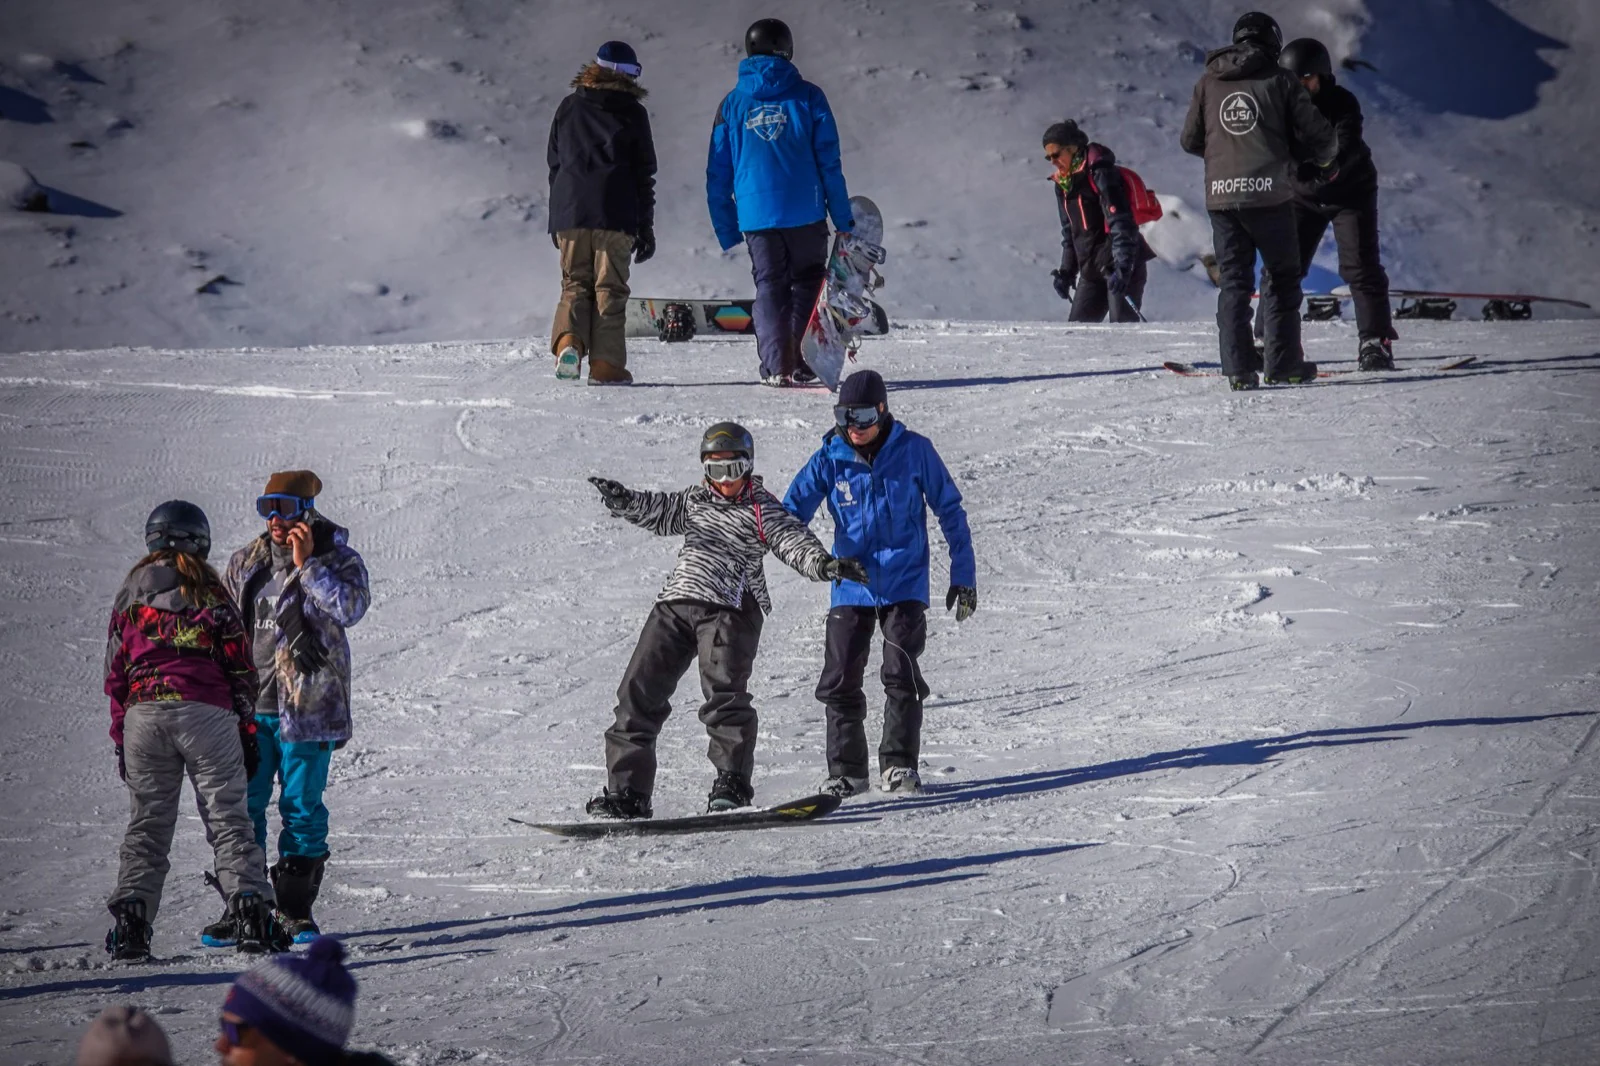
(298, 586)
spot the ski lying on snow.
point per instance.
(1189, 370)
(800, 810)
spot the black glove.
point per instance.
(612, 494)
(1063, 282)
(252, 752)
(644, 245)
(845, 570)
(1117, 281)
(308, 658)
(1315, 175)
(964, 598)
(122, 764)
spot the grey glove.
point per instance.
(845, 570)
(612, 494)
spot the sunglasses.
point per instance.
(233, 1032)
(856, 417)
(286, 507)
(726, 470)
(1058, 153)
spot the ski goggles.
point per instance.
(726, 470)
(632, 70)
(286, 507)
(233, 1032)
(856, 417)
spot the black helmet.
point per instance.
(1306, 55)
(769, 37)
(179, 525)
(728, 437)
(1259, 27)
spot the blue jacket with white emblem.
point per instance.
(774, 159)
(880, 515)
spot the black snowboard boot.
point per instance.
(255, 926)
(296, 879)
(220, 933)
(129, 939)
(1243, 383)
(730, 791)
(621, 804)
(1376, 354)
(1298, 376)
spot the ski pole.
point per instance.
(1135, 307)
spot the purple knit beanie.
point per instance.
(305, 1004)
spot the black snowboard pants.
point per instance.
(1092, 300)
(1355, 230)
(788, 266)
(849, 645)
(1237, 235)
(725, 640)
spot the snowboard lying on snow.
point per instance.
(1189, 370)
(715, 317)
(800, 810)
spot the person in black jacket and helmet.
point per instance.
(1349, 202)
(1252, 121)
(1103, 255)
(602, 211)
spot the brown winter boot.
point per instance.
(569, 354)
(604, 373)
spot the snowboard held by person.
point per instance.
(773, 177)
(879, 479)
(602, 160)
(182, 686)
(1253, 122)
(712, 608)
(1348, 202)
(1103, 255)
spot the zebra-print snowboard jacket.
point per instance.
(724, 542)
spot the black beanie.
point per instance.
(864, 388)
(1065, 133)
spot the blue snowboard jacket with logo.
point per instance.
(774, 159)
(880, 515)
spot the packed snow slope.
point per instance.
(231, 173)
(1274, 736)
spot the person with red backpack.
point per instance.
(1101, 205)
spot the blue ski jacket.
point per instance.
(880, 515)
(774, 158)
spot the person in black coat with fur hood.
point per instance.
(602, 211)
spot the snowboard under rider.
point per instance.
(1103, 255)
(299, 585)
(711, 608)
(1253, 122)
(183, 691)
(879, 479)
(602, 160)
(1348, 202)
(773, 176)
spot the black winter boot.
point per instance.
(297, 879)
(1376, 354)
(729, 792)
(621, 804)
(129, 939)
(255, 925)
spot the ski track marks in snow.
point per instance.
(1236, 752)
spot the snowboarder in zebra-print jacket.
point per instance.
(712, 607)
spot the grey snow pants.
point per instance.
(725, 640)
(162, 742)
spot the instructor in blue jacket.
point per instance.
(772, 176)
(879, 479)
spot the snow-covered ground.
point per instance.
(1274, 735)
(373, 170)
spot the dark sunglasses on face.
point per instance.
(233, 1032)
(855, 417)
(286, 507)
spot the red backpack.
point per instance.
(1146, 208)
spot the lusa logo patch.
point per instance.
(1239, 113)
(767, 121)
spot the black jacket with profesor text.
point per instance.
(1252, 120)
(602, 156)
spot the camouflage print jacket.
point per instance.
(332, 591)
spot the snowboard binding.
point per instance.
(1432, 308)
(1321, 309)
(1507, 310)
(676, 323)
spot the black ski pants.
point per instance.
(1355, 231)
(1237, 235)
(788, 266)
(725, 641)
(849, 645)
(1092, 300)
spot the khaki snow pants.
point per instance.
(161, 742)
(594, 294)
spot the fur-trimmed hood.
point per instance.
(594, 76)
